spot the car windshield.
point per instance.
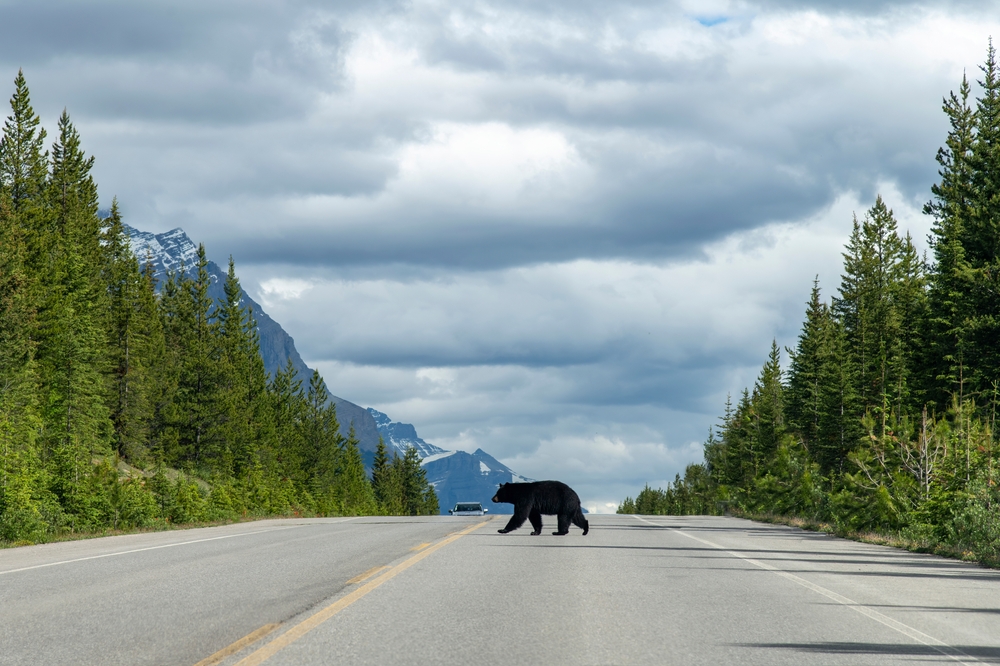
(468, 507)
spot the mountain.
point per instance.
(173, 249)
(402, 436)
(457, 476)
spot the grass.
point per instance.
(894, 540)
(163, 526)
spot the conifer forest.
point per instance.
(128, 404)
(883, 419)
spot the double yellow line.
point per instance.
(268, 650)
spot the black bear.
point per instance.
(531, 500)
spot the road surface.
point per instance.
(450, 590)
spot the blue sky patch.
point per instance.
(709, 21)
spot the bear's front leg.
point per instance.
(520, 513)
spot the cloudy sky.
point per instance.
(559, 231)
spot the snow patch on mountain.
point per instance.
(168, 251)
(401, 436)
(437, 456)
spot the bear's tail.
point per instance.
(580, 521)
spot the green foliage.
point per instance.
(400, 485)
(885, 419)
(695, 494)
(124, 408)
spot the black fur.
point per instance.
(550, 498)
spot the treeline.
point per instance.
(124, 403)
(885, 417)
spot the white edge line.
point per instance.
(908, 631)
(167, 545)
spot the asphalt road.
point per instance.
(449, 590)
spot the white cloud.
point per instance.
(282, 289)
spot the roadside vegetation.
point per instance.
(125, 404)
(883, 426)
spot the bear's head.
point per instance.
(503, 494)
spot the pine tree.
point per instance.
(354, 489)
(806, 369)
(23, 160)
(419, 498)
(135, 342)
(323, 445)
(767, 404)
(21, 479)
(840, 410)
(381, 471)
(173, 307)
(950, 278)
(288, 406)
(881, 288)
(193, 422)
(243, 379)
(980, 239)
(73, 344)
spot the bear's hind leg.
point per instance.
(563, 525)
(581, 522)
(536, 521)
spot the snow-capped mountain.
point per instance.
(401, 436)
(457, 476)
(168, 251)
(172, 249)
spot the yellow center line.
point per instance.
(267, 651)
(249, 639)
(366, 575)
(420, 547)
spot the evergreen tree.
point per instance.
(135, 342)
(243, 381)
(881, 291)
(419, 498)
(23, 162)
(950, 280)
(324, 447)
(381, 477)
(806, 367)
(288, 405)
(980, 239)
(21, 479)
(767, 404)
(354, 489)
(198, 388)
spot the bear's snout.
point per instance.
(495, 500)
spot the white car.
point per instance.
(468, 509)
